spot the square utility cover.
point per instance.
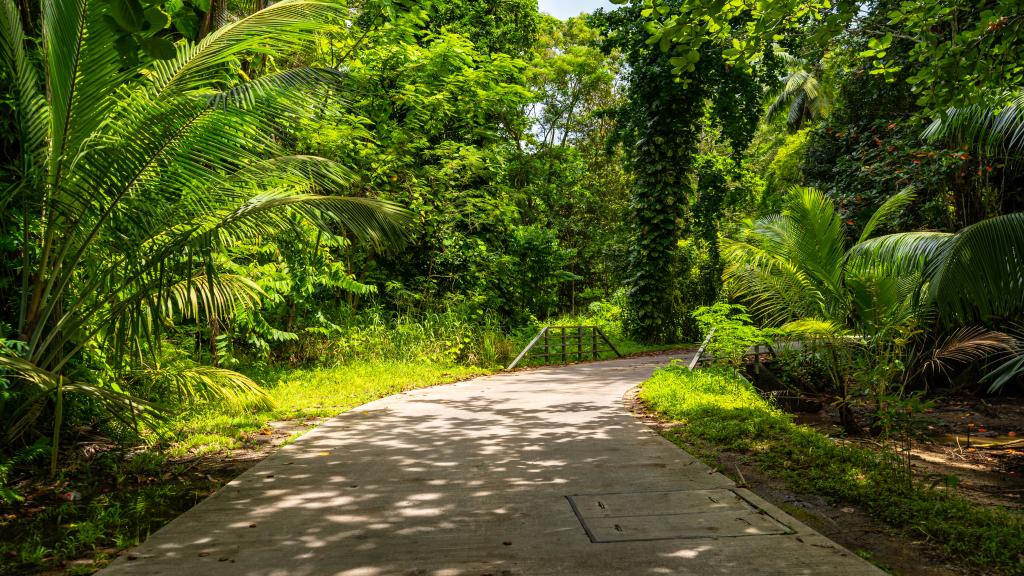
(670, 515)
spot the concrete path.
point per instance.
(540, 472)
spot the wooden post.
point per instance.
(700, 351)
(527, 349)
(566, 351)
(608, 342)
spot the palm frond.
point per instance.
(963, 346)
(129, 409)
(776, 289)
(791, 89)
(787, 58)
(801, 93)
(279, 29)
(891, 207)
(989, 131)
(903, 253)
(881, 301)
(1010, 369)
(30, 111)
(816, 237)
(294, 81)
(979, 276)
(219, 296)
(82, 74)
(208, 383)
(814, 329)
(791, 265)
(375, 222)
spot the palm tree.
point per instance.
(795, 270)
(791, 270)
(802, 95)
(131, 179)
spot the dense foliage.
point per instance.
(663, 124)
(171, 216)
(197, 193)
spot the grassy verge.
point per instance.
(114, 498)
(719, 410)
(306, 393)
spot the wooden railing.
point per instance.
(566, 343)
(751, 356)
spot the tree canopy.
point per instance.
(194, 187)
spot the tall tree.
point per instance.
(494, 26)
(660, 127)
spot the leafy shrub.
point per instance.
(801, 370)
(453, 335)
(734, 331)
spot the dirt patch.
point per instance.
(977, 441)
(258, 445)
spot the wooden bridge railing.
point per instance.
(566, 343)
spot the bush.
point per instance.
(456, 334)
(801, 370)
(734, 331)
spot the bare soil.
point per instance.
(978, 441)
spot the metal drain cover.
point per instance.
(634, 516)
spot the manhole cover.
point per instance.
(635, 516)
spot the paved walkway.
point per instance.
(535, 473)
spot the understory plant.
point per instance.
(885, 312)
(132, 176)
(734, 331)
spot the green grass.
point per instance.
(719, 410)
(306, 393)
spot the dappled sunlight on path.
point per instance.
(535, 472)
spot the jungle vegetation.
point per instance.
(196, 193)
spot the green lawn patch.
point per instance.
(307, 393)
(717, 410)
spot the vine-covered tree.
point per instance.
(660, 127)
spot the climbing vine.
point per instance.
(659, 127)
